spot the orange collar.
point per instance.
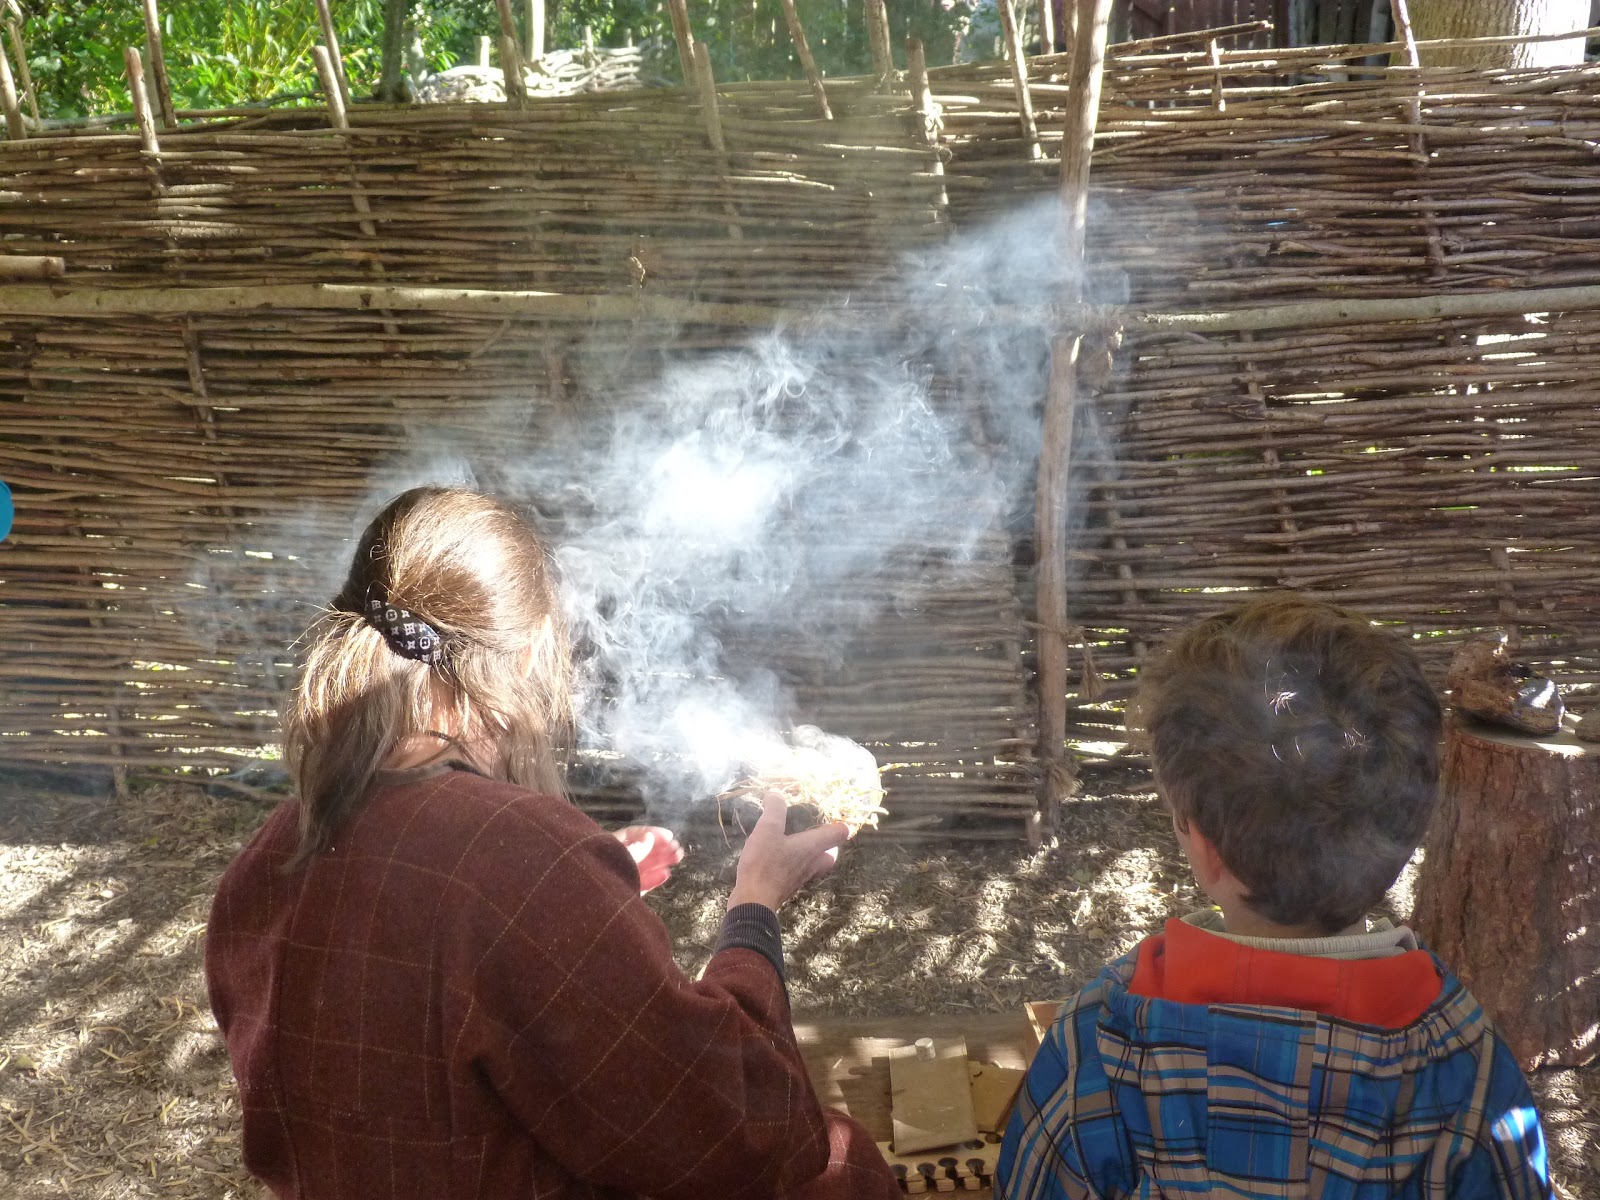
(1192, 966)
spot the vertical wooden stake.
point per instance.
(484, 53)
(340, 120)
(928, 110)
(797, 34)
(19, 53)
(533, 19)
(1218, 100)
(8, 99)
(1434, 248)
(141, 104)
(1050, 533)
(330, 39)
(1019, 78)
(707, 85)
(158, 64)
(337, 116)
(1047, 26)
(679, 11)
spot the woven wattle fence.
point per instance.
(1440, 472)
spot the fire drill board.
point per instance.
(930, 1099)
(993, 1091)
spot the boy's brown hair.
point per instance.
(1304, 744)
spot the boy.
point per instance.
(1282, 1046)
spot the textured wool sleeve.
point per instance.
(567, 1001)
(753, 927)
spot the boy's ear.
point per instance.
(1209, 869)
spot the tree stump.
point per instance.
(1508, 893)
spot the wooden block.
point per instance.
(993, 1091)
(930, 1099)
(1041, 1015)
(969, 1166)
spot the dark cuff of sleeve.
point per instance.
(753, 927)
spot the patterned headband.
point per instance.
(408, 635)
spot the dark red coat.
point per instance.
(465, 997)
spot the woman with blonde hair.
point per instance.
(436, 977)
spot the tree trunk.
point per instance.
(391, 87)
(1500, 18)
(1508, 894)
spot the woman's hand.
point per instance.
(774, 865)
(655, 851)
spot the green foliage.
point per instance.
(218, 52)
(245, 50)
(75, 53)
(228, 52)
(749, 39)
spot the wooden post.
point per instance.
(330, 39)
(1508, 893)
(1433, 246)
(141, 104)
(1019, 77)
(337, 116)
(931, 126)
(484, 53)
(1047, 26)
(679, 10)
(8, 99)
(158, 64)
(797, 34)
(339, 119)
(1077, 147)
(533, 19)
(706, 83)
(19, 53)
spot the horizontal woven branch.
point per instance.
(42, 301)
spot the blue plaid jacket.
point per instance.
(1139, 1097)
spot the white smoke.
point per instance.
(771, 496)
(765, 502)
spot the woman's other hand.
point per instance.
(774, 865)
(655, 852)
